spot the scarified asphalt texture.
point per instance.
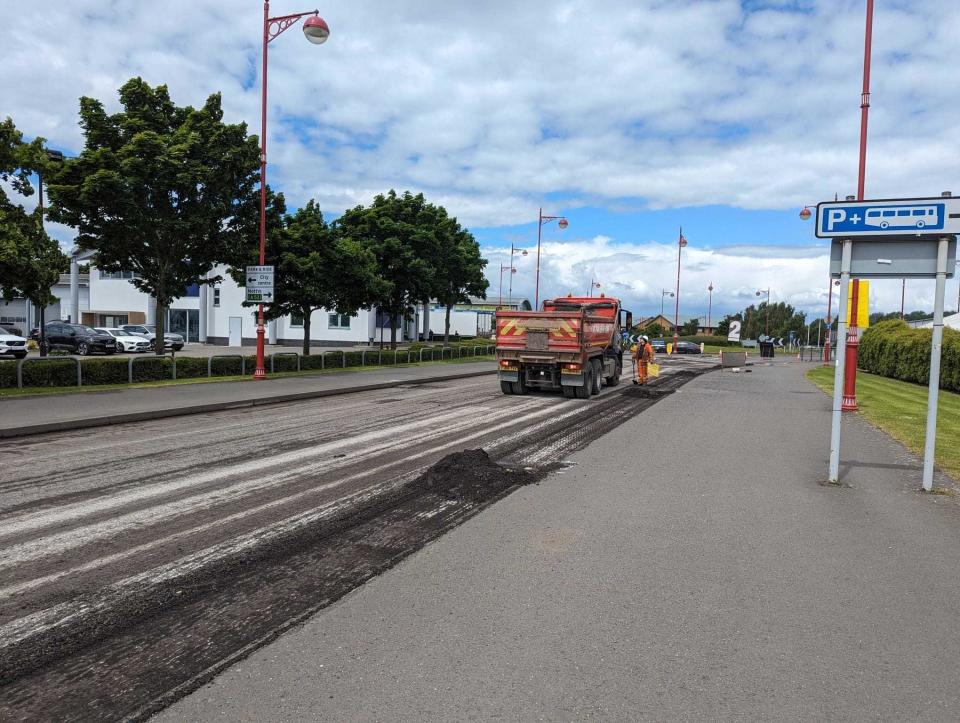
(167, 550)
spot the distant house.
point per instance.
(659, 319)
(470, 319)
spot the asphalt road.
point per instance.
(689, 565)
(135, 560)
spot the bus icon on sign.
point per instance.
(902, 217)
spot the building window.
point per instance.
(193, 291)
(339, 321)
(119, 275)
(111, 321)
(296, 320)
(216, 298)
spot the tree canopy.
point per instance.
(158, 189)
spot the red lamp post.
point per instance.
(676, 312)
(562, 223)
(513, 250)
(709, 303)
(766, 320)
(853, 339)
(512, 272)
(316, 31)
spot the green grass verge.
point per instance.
(900, 410)
(47, 391)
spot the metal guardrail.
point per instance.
(243, 362)
(283, 353)
(477, 350)
(23, 361)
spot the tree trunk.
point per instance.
(43, 320)
(307, 313)
(446, 327)
(159, 345)
(393, 331)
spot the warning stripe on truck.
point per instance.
(558, 328)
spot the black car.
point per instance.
(659, 345)
(687, 347)
(77, 338)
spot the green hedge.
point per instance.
(113, 370)
(894, 349)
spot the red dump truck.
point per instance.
(573, 343)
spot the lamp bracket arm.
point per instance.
(275, 26)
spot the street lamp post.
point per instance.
(593, 285)
(512, 272)
(664, 293)
(562, 223)
(676, 313)
(766, 321)
(709, 303)
(513, 250)
(316, 31)
(55, 156)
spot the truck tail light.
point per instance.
(571, 368)
(508, 365)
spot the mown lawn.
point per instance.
(900, 410)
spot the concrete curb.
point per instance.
(104, 421)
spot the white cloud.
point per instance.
(488, 107)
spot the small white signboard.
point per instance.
(259, 283)
(734, 333)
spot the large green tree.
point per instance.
(315, 266)
(396, 229)
(30, 261)
(458, 267)
(158, 189)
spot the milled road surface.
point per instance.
(138, 560)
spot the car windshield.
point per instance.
(103, 331)
(84, 329)
(5, 330)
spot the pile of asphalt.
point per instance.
(471, 476)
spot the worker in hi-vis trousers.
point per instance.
(644, 357)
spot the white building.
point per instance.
(216, 315)
(23, 316)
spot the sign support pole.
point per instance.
(933, 392)
(841, 362)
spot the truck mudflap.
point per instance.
(508, 376)
(571, 380)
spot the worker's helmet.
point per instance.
(645, 337)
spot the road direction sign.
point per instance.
(259, 283)
(901, 217)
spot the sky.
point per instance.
(630, 118)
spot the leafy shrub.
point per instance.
(894, 349)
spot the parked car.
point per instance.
(687, 347)
(127, 341)
(12, 344)
(149, 331)
(77, 338)
(659, 346)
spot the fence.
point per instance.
(168, 363)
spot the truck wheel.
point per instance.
(597, 376)
(614, 379)
(519, 388)
(506, 387)
(585, 389)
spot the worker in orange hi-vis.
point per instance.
(643, 358)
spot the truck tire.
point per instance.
(570, 392)
(597, 376)
(506, 387)
(586, 389)
(519, 387)
(614, 379)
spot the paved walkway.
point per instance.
(31, 415)
(689, 566)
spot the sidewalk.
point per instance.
(689, 566)
(20, 416)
